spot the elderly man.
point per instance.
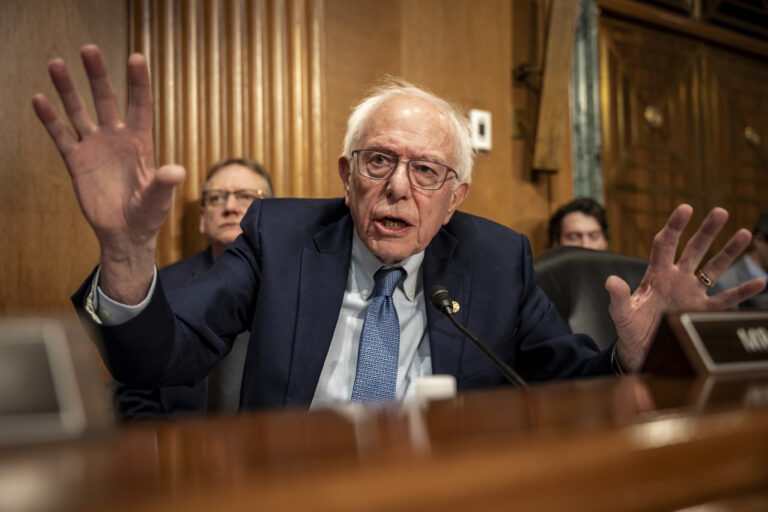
(229, 189)
(580, 222)
(303, 273)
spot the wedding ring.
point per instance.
(704, 278)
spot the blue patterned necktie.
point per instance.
(379, 350)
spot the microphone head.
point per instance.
(441, 299)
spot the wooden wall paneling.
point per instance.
(299, 93)
(470, 64)
(169, 119)
(232, 78)
(238, 76)
(646, 12)
(192, 110)
(317, 96)
(211, 130)
(306, 31)
(362, 44)
(736, 134)
(551, 128)
(711, 105)
(525, 93)
(278, 97)
(560, 186)
(651, 125)
(546, 192)
(257, 133)
(48, 246)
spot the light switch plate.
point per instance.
(481, 129)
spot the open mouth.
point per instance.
(392, 223)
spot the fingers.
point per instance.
(732, 296)
(699, 243)
(619, 291)
(665, 242)
(73, 103)
(61, 134)
(104, 98)
(139, 114)
(720, 262)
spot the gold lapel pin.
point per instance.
(455, 306)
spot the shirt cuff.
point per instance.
(615, 364)
(105, 311)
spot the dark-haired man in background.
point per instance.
(580, 222)
(230, 187)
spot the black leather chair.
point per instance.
(574, 280)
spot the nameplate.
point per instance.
(730, 342)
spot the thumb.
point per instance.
(619, 291)
(169, 175)
(159, 193)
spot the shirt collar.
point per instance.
(365, 264)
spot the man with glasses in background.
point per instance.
(230, 187)
(335, 292)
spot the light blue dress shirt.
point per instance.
(338, 374)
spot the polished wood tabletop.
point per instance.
(630, 443)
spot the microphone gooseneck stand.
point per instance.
(441, 299)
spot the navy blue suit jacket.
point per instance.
(284, 278)
(146, 403)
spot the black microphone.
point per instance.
(441, 299)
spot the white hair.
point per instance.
(395, 87)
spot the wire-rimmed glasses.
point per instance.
(424, 174)
(244, 197)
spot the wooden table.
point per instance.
(635, 443)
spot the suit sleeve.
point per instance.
(179, 345)
(546, 347)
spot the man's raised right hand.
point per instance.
(124, 197)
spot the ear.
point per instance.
(457, 197)
(345, 172)
(202, 223)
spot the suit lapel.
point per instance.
(440, 268)
(323, 278)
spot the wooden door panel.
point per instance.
(650, 130)
(737, 135)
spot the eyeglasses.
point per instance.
(244, 197)
(423, 174)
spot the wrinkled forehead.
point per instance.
(416, 120)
